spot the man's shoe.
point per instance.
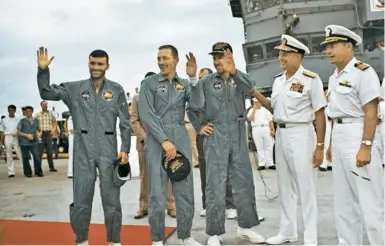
(203, 213)
(11, 176)
(190, 241)
(157, 243)
(281, 239)
(272, 167)
(261, 168)
(322, 169)
(250, 235)
(39, 175)
(231, 214)
(172, 213)
(53, 170)
(115, 244)
(141, 214)
(83, 243)
(214, 240)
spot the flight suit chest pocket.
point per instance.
(161, 98)
(344, 87)
(218, 90)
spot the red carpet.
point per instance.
(24, 232)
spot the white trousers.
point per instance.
(264, 143)
(295, 174)
(328, 132)
(358, 192)
(11, 143)
(70, 155)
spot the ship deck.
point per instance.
(47, 199)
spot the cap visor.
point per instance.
(217, 52)
(285, 48)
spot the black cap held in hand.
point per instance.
(178, 168)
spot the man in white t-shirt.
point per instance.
(263, 134)
(9, 128)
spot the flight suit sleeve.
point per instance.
(368, 86)
(197, 99)
(147, 112)
(1, 126)
(318, 100)
(135, 122)
(124, 122)
(51, 92)
(244, 82)
(193, 114)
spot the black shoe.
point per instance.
(11, 176)
(70, 177)
(322, 169)
(261, 168)
(52, 169)
(272, 167)
(28, 175)
(39, 175)
(330, 168)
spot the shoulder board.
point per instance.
(309, 74)
(361, 66)
(278, 75)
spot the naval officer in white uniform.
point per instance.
(297, 99)
(354, 89)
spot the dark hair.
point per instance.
(99, 54)
(149, 74)
(29, 107)
(40, 103)
(12, 107)
(207, 69)
(174, 51)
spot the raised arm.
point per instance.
(124, 122)
(147, 112)
(47, 91)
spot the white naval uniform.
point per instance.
(328, 132)
(263, 140)
(358, 192)
(70, 127)
(295, 145)
(11, 141)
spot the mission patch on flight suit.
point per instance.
(178, 168)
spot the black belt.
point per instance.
(106, 133)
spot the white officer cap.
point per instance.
(290, 44)
(336, 34)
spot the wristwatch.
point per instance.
(367, 142)
(320, 145)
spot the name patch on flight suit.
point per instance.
(162, 88)
(179, 87)
(85, 95)
(345, 84)
(217, 85)
(108, 95)
(297, 87)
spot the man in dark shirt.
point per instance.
(28, 130)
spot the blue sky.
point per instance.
(129, 30)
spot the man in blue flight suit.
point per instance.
(162, 100)
(95, 104)
(223, 102)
